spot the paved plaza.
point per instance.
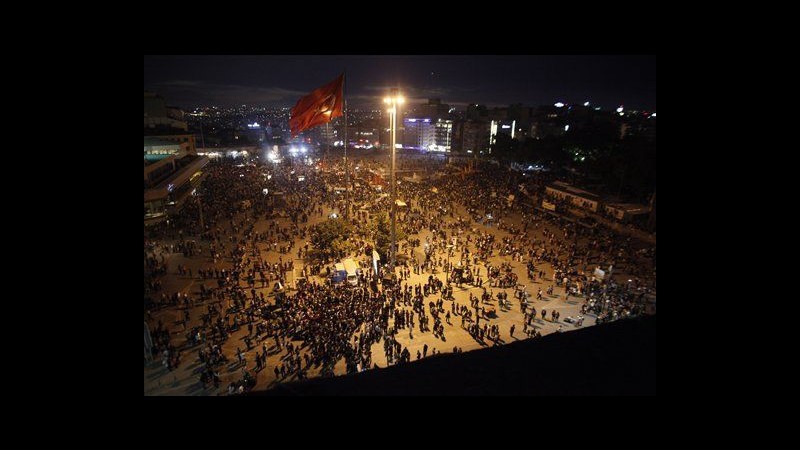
(184, 379)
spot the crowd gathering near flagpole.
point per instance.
(252, 306)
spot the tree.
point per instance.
(330, 239)
(381, 229)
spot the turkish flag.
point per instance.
(318, 107)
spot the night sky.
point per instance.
(607, 81)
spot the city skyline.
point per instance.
(606, 81)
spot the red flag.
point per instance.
(318, 107)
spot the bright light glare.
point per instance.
(394, 100)
(585, 103)
(619, 109)
(559, 105)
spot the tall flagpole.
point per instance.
(328, 135)
(346, 165)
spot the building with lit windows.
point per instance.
(428, 134)
(172, 167)
(496, 127)
(443, 135)
(420, 133)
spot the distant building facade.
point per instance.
(172, 167)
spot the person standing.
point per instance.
(512, 331)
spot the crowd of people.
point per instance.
(457, 224)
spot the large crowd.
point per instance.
(451, 222)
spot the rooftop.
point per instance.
(150, 141)
(630, 207)
(566, 187)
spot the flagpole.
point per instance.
(328, 135)
(346, 166)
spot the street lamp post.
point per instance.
(393, 100)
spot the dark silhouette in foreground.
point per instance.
(617, 358)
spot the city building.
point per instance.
(476, 112)
(548, 121)
(159, 116)
(428, 134)
(625, 212)
(420, 133)
(507, 127)
(473, 136)
(571, 194)
(444, 135)
(434, 109)
(172, 167)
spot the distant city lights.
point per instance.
(585, 103)
(620, 109)
(566, 127)
(559, 105)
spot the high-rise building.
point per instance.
(475, 136)
(420, 133)
(501, 127)
(428, 134)
(444, 135)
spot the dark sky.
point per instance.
(606, 81)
